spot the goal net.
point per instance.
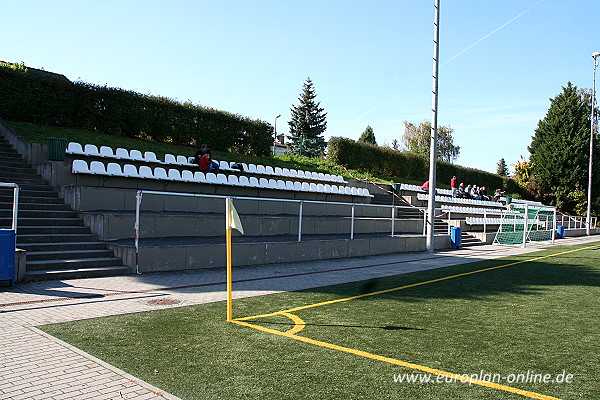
(523, 223)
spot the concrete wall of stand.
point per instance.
(185, 257)
(111, 226)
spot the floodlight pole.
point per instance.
(434, 133)
(588, 219)
(275, 131)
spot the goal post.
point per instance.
(523, 223)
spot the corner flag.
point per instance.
(233, 219)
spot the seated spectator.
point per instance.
(482, 194)
(498, 195)
(204, 159)
(468, 192)
(460, 191)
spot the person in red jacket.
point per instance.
(454, 186)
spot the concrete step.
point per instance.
(38, 214)
(31, 199)
(43, 222)
(18, 169)
(59, 246)
(68, 255)
(72, 263)
(35, 206)
(52, 230)
(76, 273)
(45, 238)
(25, 192)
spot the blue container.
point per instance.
(456, 237)
(560, 231)
(7, 255)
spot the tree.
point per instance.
(559, 149)
(307, 125)
(417, 138)
(368, 136)
(502, 168)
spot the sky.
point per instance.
(370, 61)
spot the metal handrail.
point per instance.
(15, 208)
(140, 193)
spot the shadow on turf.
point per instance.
(384, 327)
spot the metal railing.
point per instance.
(15, 207)
(577, 221)
(352, 206)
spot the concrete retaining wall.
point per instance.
(172, 258)
(111, 226)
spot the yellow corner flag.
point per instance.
(234, 218)
(232, 221)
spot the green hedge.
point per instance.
(47, 100)
(405, 165)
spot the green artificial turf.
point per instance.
(539, 316)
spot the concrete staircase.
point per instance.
(58, 244)
(440, 226)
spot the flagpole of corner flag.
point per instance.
(232, 221)
(434, 133)
(228, 204)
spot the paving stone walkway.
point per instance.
(35, 365)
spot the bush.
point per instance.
(406, 165)
(48, 100)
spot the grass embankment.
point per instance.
(39, 134)
(531, 314)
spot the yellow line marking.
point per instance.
(393, 361)
(290, 310)
(299, 323)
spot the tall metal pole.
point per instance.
(434, 132)
(588, 221)
(275, 131)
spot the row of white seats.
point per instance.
(456, 200)
(130, 170)
(482, 221)
(419, 189)
(149, 156)
(529, 202)
(476, 210)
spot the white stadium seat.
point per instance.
(150, 156)
(80, 167)
(106, 151)
(131, 171)
(74, 148)
(146, 172)
(187, 175)
(122, 153)
(136, 155)
(97, 168)
(91, 150)
(114, 169)
(160, 173)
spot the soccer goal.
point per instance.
(523, 223)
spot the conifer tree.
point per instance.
(368, 136)
(560, 147)
(307, 125)
(502, 168)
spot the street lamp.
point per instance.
(588, 219)
(275, 129)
